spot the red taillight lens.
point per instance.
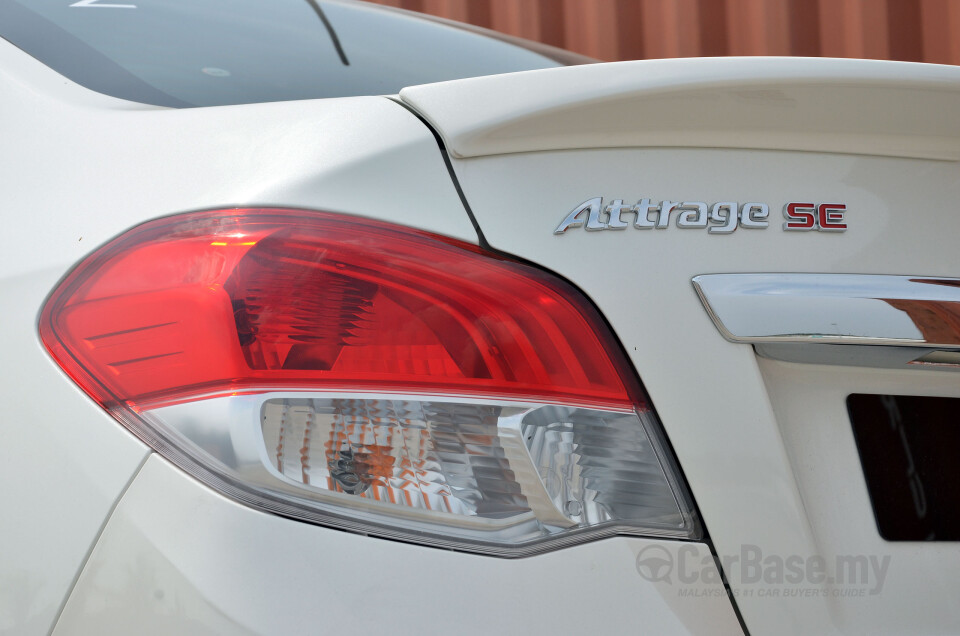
(236, 300)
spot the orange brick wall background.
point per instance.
(913, 30)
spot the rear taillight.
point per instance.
(368, 376)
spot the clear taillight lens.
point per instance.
(371, 377)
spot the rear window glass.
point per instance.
(213, 52)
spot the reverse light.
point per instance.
(371, 377)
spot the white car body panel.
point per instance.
(832, 105)
(196, 563)
(63, 464)
(754, 484)
(80, 168)
(112, 537)
(919, 594)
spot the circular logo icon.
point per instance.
(655, 563)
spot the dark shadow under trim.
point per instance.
(481, 239)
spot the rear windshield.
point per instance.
(184, 53)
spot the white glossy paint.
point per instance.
(920, 590)
(63, 463)
(79, 168)
(708, 392)
(179, 558)
(832, 105)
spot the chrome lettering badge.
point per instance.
(720, 218)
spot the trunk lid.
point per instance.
(766, 444)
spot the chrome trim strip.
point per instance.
(862, 356)
(845, 309)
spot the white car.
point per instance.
(322, 317)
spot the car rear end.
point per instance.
(661, 346)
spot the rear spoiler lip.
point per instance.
(868, 107)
